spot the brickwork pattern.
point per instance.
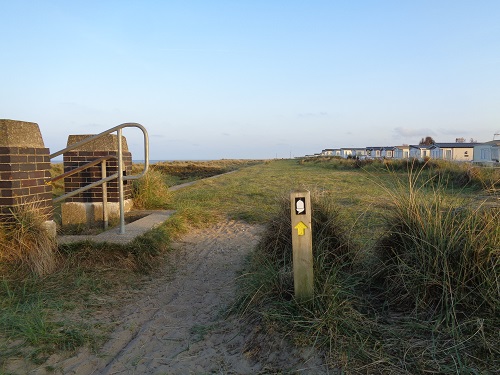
(24, 172)
(76, 159)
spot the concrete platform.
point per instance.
(132, 230)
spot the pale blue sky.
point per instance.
(253, 78)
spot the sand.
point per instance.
(175, 323)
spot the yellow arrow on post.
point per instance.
(301, 228)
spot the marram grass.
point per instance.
(440, 257)
(25, 243)
(151, 191)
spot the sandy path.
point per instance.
(175, 325)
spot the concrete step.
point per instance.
(132, 230)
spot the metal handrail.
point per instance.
(81, 168)
(85, 188)
(118, 175)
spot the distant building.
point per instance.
(487, 153)
(402, 152)
(388, 152)
(374, 152)
(420, 151)
(460, 151)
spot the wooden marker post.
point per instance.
(302, 244)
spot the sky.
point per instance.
(214, 79)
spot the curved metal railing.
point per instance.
(119, 175)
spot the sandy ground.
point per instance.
(175, 323)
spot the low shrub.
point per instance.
(195, 170)
(464, 174)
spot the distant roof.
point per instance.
(494, 142)
(420, 146)
(455, 145)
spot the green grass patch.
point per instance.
(251, 193)
(27, 328)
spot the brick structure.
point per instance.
(86, 207)
(24, 168)
(102, 147)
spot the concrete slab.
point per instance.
(132, 230)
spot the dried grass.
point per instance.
(25, 243)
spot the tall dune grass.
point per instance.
(439, 272)
(440, 257)
(25, 243)
(151, 191)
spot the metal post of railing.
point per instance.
(120, 182)
(104, 196)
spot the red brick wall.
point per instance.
(75, 159)
(23, 175)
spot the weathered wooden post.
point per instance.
(302, 245)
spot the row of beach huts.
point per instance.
(486, 153)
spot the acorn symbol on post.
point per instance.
(300, 206)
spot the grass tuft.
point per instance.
(438, 272)
(440, 257)
(151, 191)
(25, 243)
(330, 235)
(141, 255)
